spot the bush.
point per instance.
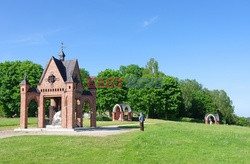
(242, 121)
(187, 119)
(103, 118)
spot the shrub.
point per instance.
(103, 118)
(242, 121)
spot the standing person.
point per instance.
(141, 119)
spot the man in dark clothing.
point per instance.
(141, 119)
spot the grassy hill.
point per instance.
(162, 142)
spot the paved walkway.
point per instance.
(100, 131)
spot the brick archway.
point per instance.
(119, 110)
(208, 118)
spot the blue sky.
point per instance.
(204, 40)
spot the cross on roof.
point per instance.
(62, 47)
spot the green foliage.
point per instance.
(86, 107)
(197, 101)
(84, 74)
(242, 121)
(103, 118)
(152, 68)
(114, 94)
(32, 109)
(131, 70)
(224, 106)
(11, 74)
(172, 95)
(2, 113)
(157, 102)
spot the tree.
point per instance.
(11, 74)
(242, 121)
(110, 90)
(84, 74)
(197, 101)
(151, 68)
(173, 96)
(131, 70)
(224, 106)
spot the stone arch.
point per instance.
(215, 117)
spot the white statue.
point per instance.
(57, 119)
(210, 121)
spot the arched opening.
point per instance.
(86, 112)
(212, 119)
(117, 113)
(53, 111)
(127, 112)
(32, 113)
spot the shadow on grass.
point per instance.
(129, 127)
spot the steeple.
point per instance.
(25, 81)
(62, 55)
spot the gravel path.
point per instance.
(100, 132)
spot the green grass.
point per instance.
(11, 123)
(162, 142)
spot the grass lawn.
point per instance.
(162, 142)
(12, 123)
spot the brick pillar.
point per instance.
(113, 116)
(93, 109)
(206, 121)
(129, 116)
(70, 106)
(24, 87)
(64, 111)
(122, 116)
(93, 117)
(41, 113)
(23, 111)
(79, 114)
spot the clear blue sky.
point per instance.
(204, 40)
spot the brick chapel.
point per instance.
(61, 84)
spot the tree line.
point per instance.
(145, 89)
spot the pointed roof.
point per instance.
(66, 69)
(25, 80)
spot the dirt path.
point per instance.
(100, 132)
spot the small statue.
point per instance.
(57, 119)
